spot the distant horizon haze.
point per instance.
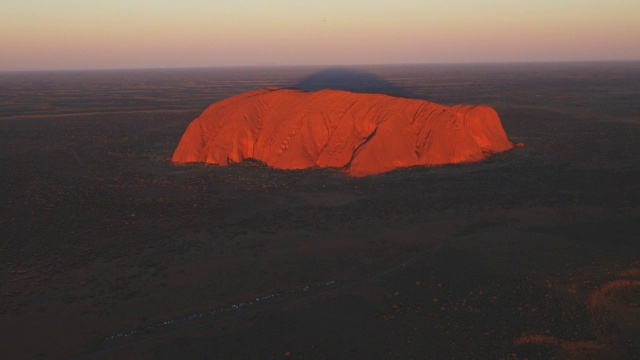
(320, 66)
(79, 35)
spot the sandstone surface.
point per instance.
(363, 134)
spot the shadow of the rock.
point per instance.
(350, 80)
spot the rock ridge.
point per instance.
(363, 134)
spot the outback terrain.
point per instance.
(108, 250)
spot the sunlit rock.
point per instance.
(364, 134)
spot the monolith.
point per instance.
(363, 134)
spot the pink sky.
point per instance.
(69, 34)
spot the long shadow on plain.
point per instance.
(339, 78)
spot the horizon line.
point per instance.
(274, 66)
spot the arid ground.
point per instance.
(107, 250)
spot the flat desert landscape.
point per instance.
(110, 251)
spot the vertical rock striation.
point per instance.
(364, 134)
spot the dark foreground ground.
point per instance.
(109, 251)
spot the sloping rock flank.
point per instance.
(364, 134)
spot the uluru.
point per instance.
(363, 134)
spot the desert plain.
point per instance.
(108, 250)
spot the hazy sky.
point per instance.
(83, 34)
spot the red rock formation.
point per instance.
(364, 134)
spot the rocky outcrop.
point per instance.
(363, 134)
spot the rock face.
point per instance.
(364, 134)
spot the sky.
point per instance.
(116, 34)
